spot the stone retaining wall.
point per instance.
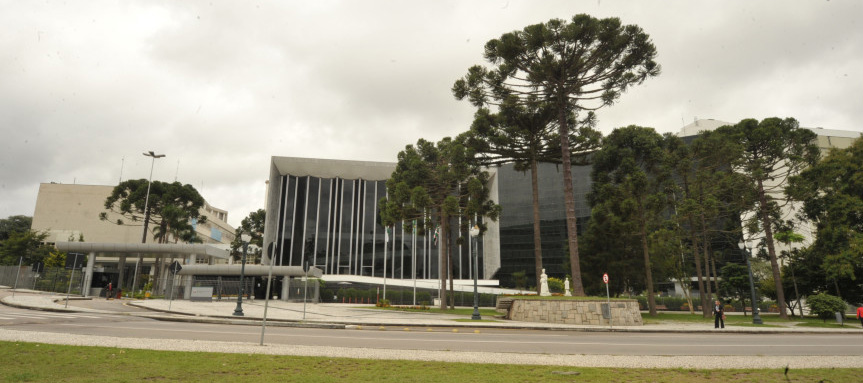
(623, 312)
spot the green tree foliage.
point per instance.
(171, 206)
(253, 225)
(431, 185)
(172, 209)
(734, 283)
(825, 306)
(609, 247)
(55, 259)
(28, 244)
(832, 196)
(707, 200)
(788, 237)
(576, 66)
(526, 134)
(14, 224)
(631, 184)
(773, 150)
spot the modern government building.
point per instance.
(325, 213)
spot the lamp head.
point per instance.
(245, 238)
(741, 245)
(474, 231)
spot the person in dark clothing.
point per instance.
(109, 290)
(718, 315)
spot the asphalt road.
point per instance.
(443, 339)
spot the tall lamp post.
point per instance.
(474, 232)
(146, 217)
(756, 319)
(245, 238)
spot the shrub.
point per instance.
(555, 285)
(383, 303)
(824, 305)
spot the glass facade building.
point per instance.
(324, 213)
(516, 220)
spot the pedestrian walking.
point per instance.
(860, 315)
(718, 316)
(109, 290)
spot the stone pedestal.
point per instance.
(573, 311)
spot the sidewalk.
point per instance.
(338, 315)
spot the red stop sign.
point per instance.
(605, 278)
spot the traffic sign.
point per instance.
(175, 267)
(605, 278)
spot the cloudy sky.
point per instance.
(219, 87)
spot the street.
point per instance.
(441, 339)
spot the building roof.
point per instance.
(710, 124)
(150, 249)
(367, 170)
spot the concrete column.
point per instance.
(187, 292)
(286, 284)
(88, 274)
(121, 265)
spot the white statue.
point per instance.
(566, 291)
(543, 285)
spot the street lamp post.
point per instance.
(756, 319)
(245, 238)
(146, 218)
(474, 232)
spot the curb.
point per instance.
(231, 320)
(352, 325)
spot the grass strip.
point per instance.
(34, 362)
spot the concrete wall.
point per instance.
(66, 211)
(623, 312)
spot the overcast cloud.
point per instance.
(219, 86)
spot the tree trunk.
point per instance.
(537, 238)
(450, 272)
(698, 272)
(442, 259)
(707, 272)
(569, 199)
(651, 299)
(715, 275)
(796, 293)
(767, 223)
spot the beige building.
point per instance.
(68, 212)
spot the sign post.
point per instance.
(608, 298)
(72, 276)
(175, 268)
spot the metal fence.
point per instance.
(223, 287)
(50, 279)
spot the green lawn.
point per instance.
(32, 362)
